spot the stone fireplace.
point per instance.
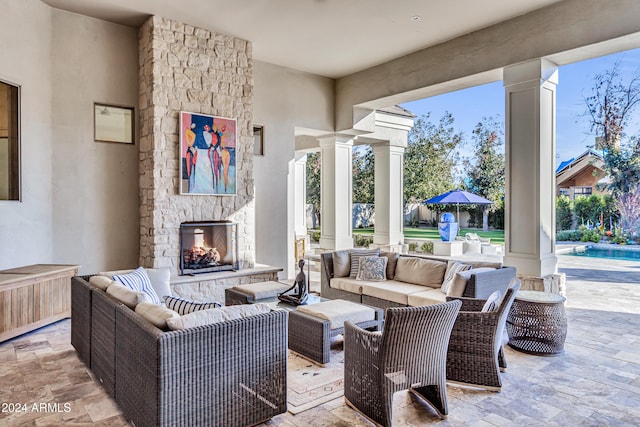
(185, 68)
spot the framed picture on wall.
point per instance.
(207, 154)
(113, 123)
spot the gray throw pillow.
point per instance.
(341, 263)
(392, 258)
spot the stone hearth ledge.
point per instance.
(211, 286)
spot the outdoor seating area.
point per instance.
(595, 381)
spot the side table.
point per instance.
(537, 323)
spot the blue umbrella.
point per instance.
(458, 197)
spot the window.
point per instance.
(582, 191)
(9, 142)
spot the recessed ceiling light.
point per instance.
(415, 17)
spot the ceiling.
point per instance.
(331, 38)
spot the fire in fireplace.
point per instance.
(208, 246)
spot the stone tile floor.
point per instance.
(595, 383)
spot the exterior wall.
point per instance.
(26, 228)
(284, 99)
(183, 68)
(95, 202)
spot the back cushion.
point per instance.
(341, 263)
(391, 264)
(420, 271)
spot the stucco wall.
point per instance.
(284, 99)
(95, 199)
(26, 229)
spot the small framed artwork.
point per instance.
(113, 123)
(258, 140)
(207, 154)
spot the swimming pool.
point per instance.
(608, 251)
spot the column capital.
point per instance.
(331, 140)
(537, 71)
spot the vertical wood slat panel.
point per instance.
(34, 296)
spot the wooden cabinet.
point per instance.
(34, 296)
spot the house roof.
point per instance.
(574, 160)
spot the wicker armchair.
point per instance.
(476, 356)
(410, 354)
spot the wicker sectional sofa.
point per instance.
(410, 280)
(231, 373)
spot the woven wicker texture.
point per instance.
(537, 327)
(103, 338)
(311, 336)
(81, 319)
(475, 356)
(228, 374)
(410, 354)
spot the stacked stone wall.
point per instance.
(184, 68)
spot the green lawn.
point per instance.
(497, 236)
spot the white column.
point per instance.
(336, 193)
(300, 194)
(530, 179)
(389, 161)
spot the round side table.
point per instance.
(537, 323)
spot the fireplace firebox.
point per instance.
(208, 246)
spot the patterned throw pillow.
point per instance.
(373, 268)
(139, 281)
(355, 260)
(183, 306)
(493, 302)
(450, 275)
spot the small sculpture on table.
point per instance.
(301, 293)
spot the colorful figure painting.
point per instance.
(207, 154)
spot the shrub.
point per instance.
(413, 246)
(427, 247)
(564, 213)
(315, 236)
(567, 236)
(362, 240)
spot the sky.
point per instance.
(575, 81)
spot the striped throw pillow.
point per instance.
(355, 260)
(139, 281)
(183, 306)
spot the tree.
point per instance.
(363, 175)
(313, 185)
(564, 213)
(609, 109)
(485, 170)
(430, 159)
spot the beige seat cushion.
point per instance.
(338, 311)
(262, 290)
(347, 284)
(156, 314)
(391, 264)
(391, 290)
(420, 271)
(432, 296)
(216, 315)
(101, 282)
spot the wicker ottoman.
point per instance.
(253, 292)
(312, 326)
(537, 323)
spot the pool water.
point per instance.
(617, 252)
